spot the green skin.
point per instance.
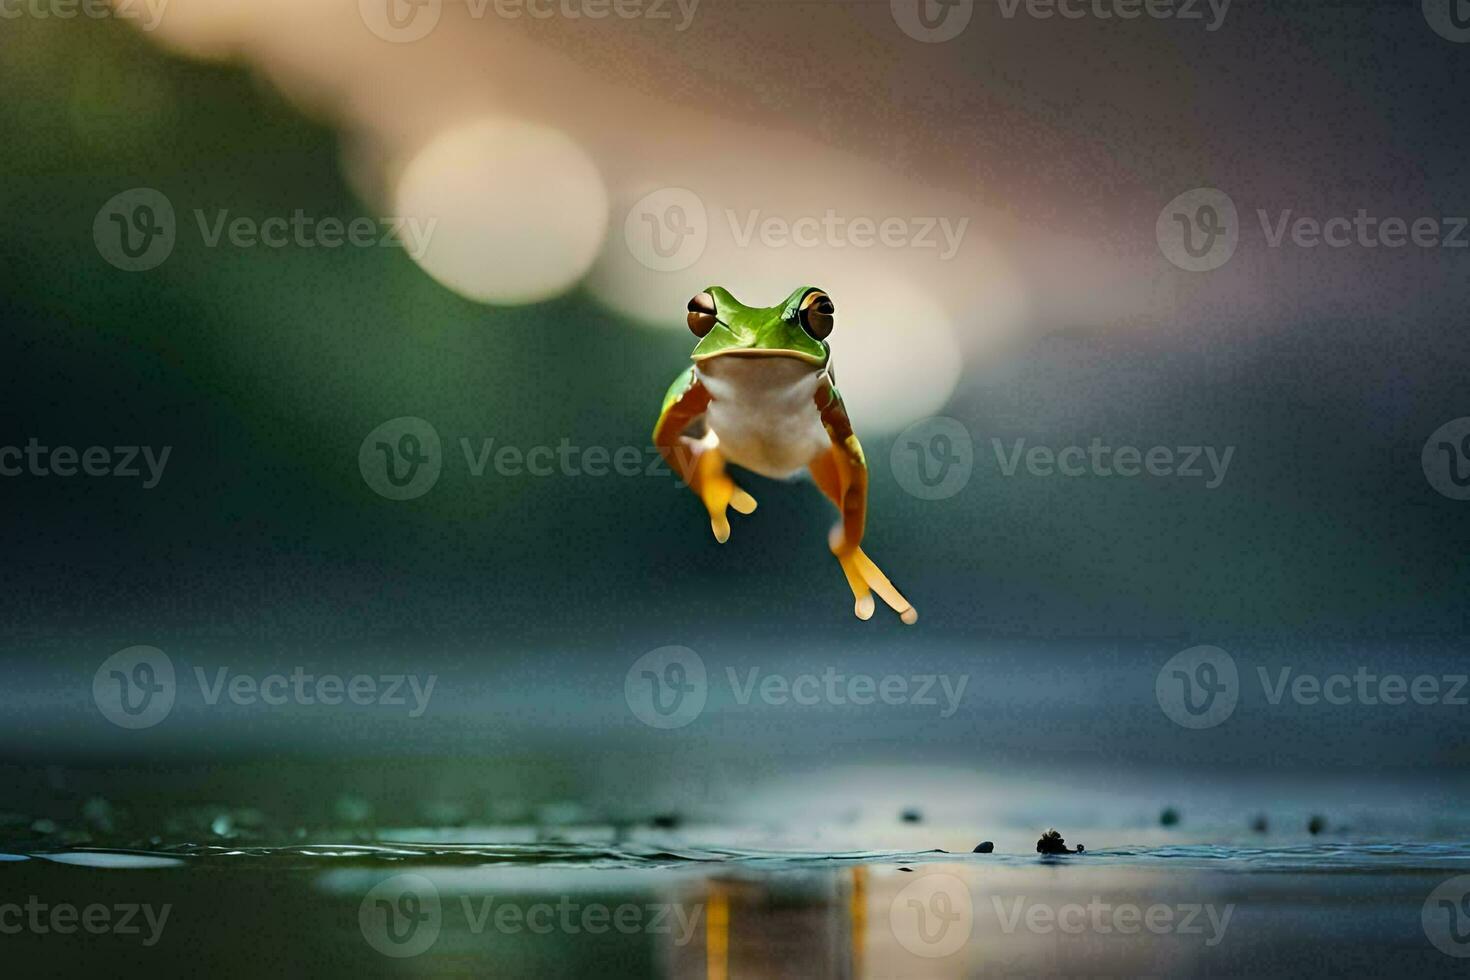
(739, 328)
(742, 330)
(750, 328)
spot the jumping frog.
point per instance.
(760, 394)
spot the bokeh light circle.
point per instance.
(519, 211)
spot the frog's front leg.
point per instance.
(698, 460)
(841, 472)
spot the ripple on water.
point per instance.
(1325, 857)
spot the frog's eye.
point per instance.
(816, 314)
(701, 314)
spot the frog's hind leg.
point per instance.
(863, 576)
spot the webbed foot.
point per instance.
(864, 578)
(718, 492)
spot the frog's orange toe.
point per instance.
(742, 501)
(719, 492)
(865, 576)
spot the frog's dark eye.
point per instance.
(701, 314)
(816, 314)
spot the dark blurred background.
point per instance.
(263, 548)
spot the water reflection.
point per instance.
(570, 909)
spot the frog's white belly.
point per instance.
(763, 411)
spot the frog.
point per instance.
(760, 393)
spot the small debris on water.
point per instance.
(984, 847)
(1052, 842)
(911, 815)
(1317, 824)
(1169, 818)
(1260, 824)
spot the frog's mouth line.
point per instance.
(760, 352)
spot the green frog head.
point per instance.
(797, 327)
